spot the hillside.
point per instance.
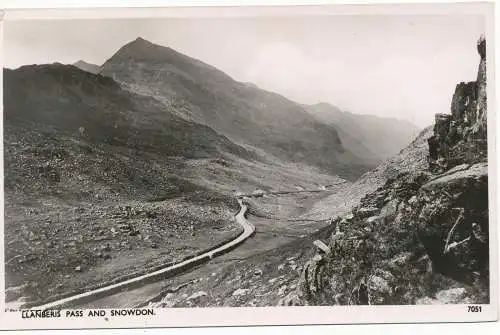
(244, 113)
(366, 135)
(267, 278)
(64, 98)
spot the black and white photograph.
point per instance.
(280, 160)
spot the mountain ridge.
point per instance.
(370, 131)
(74, 86)
(246, 114)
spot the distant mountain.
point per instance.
(246, 114)
(366, 135)
(92, 68)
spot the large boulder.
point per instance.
(446, 212)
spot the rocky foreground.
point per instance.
(422, 238)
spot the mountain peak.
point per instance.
(159, 57)
(140, 41)
(142, 49)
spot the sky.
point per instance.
(402, 66)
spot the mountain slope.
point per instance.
(366, 135)
(244, 113)
(68, 99)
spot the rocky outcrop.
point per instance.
(460, 137)
(422, 237)
(481, 125)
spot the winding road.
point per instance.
(248, 230)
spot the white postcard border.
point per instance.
(240, 316)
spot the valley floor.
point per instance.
(56, 245)
(255, 263)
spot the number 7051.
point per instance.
(474, 309)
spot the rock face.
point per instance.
(422, 237)
(461, 137)
(481, 90)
